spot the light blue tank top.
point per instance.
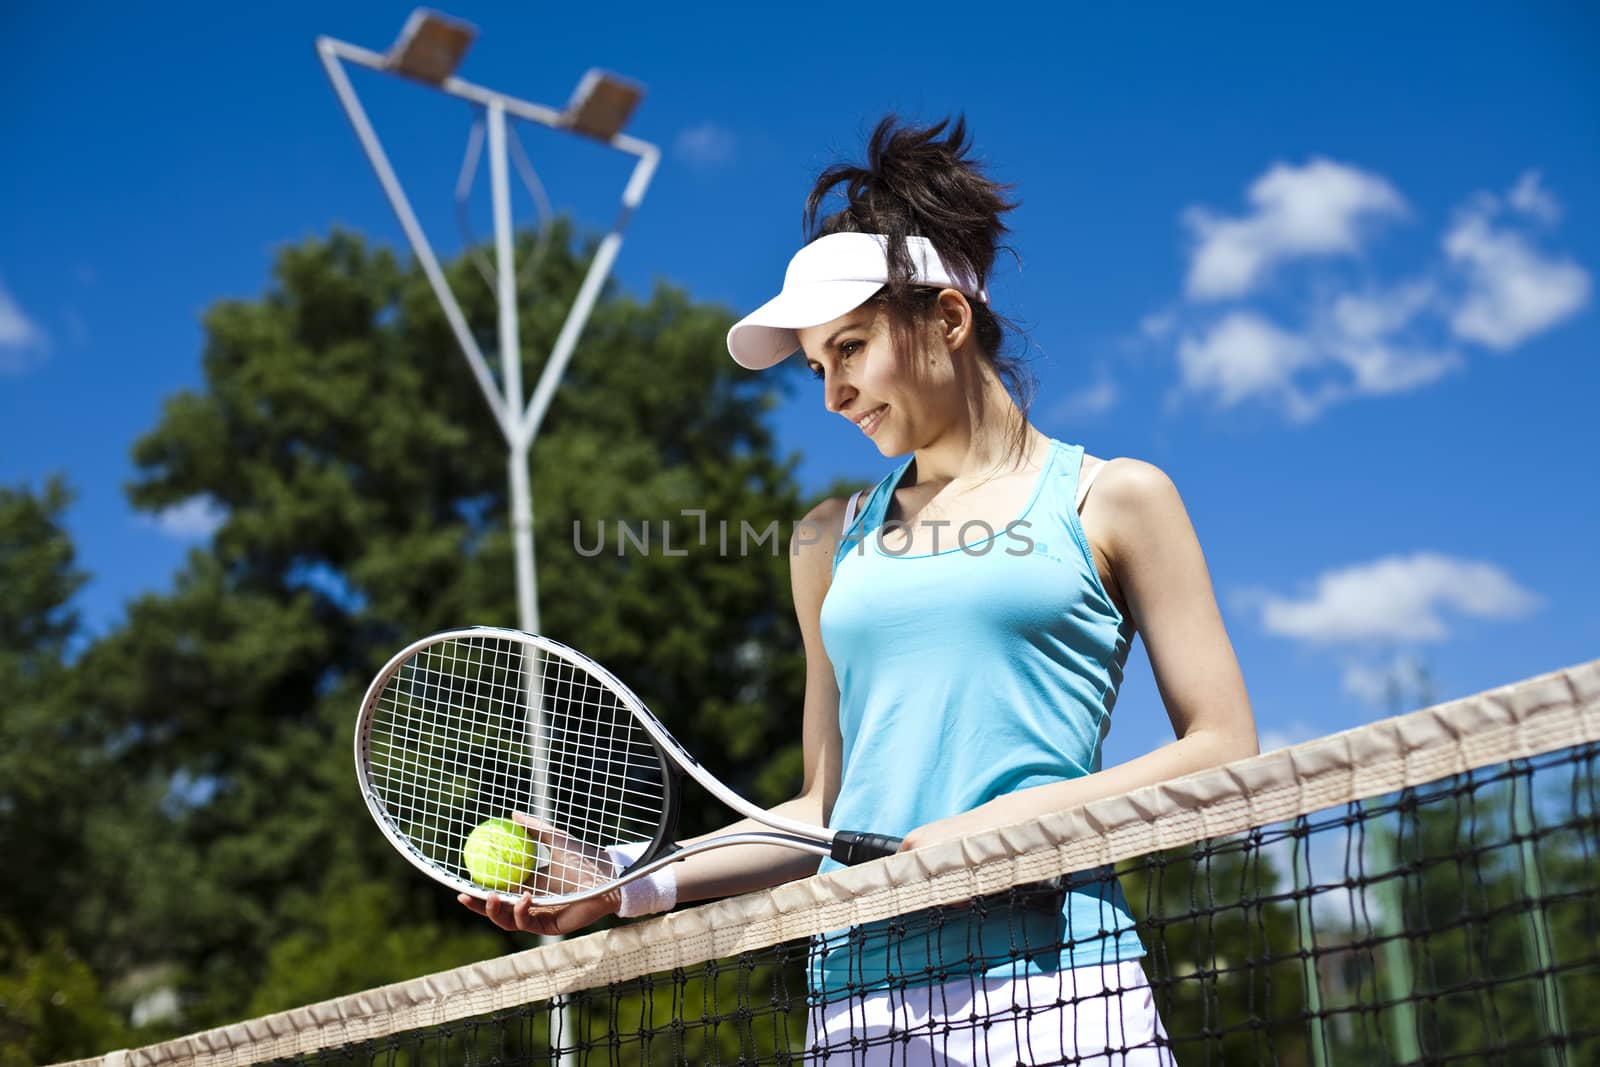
(966, 674)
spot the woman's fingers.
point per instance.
(532, 822)
(572, 917)
(569, 871)
(562, 850)
(537, 920)
(563, 920)
(547, 834)
(530, 918)
(494, 909)
(566, 863)
(523, 915)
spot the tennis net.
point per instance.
(1419, 890)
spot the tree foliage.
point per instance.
(51, 1004)
(40, 756)
(360, 484)
(51, 1001)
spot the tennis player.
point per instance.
(966, 623)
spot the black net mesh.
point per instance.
(1457, 922)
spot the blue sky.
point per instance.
(1333, 269)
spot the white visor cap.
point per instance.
(827, 278)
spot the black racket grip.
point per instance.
(851, 847)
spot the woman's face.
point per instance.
(901, 400)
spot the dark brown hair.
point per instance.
(921, 181)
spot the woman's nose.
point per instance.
(837, 392)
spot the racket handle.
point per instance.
(851, 847)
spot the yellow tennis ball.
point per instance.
(500, 854)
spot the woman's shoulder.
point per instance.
(813, 544)
(1120, 480)
(1128, 499)
(823, 522)
(1126, 481)
(819, 531)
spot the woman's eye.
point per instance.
(816, 371)
(849, 348)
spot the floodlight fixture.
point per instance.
(602, 104)
(430, 47)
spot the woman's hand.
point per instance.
(532, 918)
(566, 865)
(948, 829)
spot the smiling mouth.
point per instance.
(869, 422)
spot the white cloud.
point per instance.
(1401, 680)
(1096, 399)
(1513, 290)
(1374, 315)
(1397, 598)
(1530, 197)
(1159, 324)
(20, 337)
(1367, 684)
(1333, 338)
(1320, 209)
(1379, 368)
(706, 145)
(1366, 334)
(1244, 356)
(1356, 343)
(196, 518)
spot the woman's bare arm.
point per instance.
(1154, 568)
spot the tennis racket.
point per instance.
(475, 724)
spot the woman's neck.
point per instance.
(985, 444)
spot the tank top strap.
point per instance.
(1060, 493)
(1063, 508)
(871, 515)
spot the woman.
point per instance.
(966, 622)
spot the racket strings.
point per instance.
(479, 727)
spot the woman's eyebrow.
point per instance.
(834, 337)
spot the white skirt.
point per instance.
(1094, 1016)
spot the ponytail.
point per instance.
(923, 182)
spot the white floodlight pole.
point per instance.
(520, 439)
(331, 52)
(519, 424)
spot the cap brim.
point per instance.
(767, 335)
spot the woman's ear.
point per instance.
(954, 317)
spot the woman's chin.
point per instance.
(888, 440)
(887, 445)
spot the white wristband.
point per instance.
(657, 891)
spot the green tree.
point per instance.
(51, 757)
(38, 579)
(1484, 897)
(360, 484)
(51, 1004)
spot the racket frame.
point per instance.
(675, 762)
